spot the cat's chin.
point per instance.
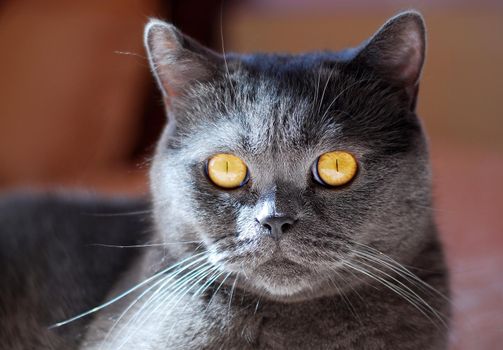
(281, 278)
(279, 290)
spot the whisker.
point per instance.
(164, 288)
(131, 54)
(217, 274)
(163, 299)
(395, 265)
(122, 295)
(162, 282)
(411, 278)
(232, 291)
(342, 92)
(182, 293)
(125, 213)
(345, 299)
(142, 245)
(388, 285)
(215, 292)
(223, 50)
(411, 298)
(128, 308)
(408, 289)
(257, 306)
(324, 90)
(145, 311)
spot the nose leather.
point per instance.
(277, 224)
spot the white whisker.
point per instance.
(143, 245)
(412, 298)
(345, 299)
(162, 282)
(218, 288)
(407, 289)
(141, 316)
(324, 89)
(340, 94)
(232, 291)
(124, 294)
(397, 267)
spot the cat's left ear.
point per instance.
(396, 51)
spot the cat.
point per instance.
(291, 205)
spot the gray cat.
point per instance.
(291, 203)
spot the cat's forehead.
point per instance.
(269, 125)
(292, 107)
(272, 112)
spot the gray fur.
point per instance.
(279, 113)
(361, 267)
(54, 265)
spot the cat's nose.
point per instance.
(276, 224)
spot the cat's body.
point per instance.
(283, 260)
(367, 318)
(55, 262)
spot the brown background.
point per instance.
(76, 113)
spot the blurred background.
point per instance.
(78, 107)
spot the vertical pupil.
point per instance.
(337, 164)
(227, 166)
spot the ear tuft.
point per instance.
(397, 50)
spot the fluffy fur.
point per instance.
(56, 262)
(361, 267)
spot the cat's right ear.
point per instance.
(176, 60)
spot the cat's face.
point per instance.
(278, 114)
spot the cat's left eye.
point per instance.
(227, 171)
(335, 168)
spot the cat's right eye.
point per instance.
(227, 171)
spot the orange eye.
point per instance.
(335, 168)
(227, 171)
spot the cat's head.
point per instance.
(282, 227)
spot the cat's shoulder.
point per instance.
(61, 255)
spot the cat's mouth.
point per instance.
(269, 268)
